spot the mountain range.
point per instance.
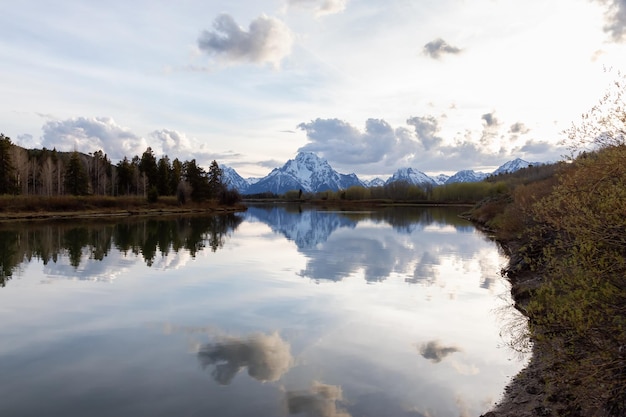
(310, 173)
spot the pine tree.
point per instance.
(164, 172)
(7, 170)
(196, 177)
(216, 186)
(76, 181)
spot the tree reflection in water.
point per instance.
(22, 242)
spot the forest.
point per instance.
(48, 173)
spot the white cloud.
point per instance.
(347, 144)
(381, 148)
(88, 134)
(174, 144)
(268, 40)
(322, 7)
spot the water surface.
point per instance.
(278, 311)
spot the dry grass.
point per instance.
(26, 207)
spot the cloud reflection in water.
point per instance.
(435, 352)
(267, 357)
(319, 401)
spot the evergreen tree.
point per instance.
(124, 176)
(216, 186)
(176, 174)
(197, 178)
(76, 182)
(148, 167)
(7, 170)
(164, 185)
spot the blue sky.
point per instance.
(371, 86)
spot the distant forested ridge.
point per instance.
(44, 172)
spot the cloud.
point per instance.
(519, 128)
(490, 119)
(268, 40)
(381, 148)
(91, 134)
(319, 401)
(537, 151)
(491, 129)
(172, 142)
(435, 352)
(615, 15)
(436, 48)
(426, 129)
(267, 357)
(26, 140)
(322, 7)
(348, 145)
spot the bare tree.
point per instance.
(604, 125)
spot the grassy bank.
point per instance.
(39, 207)
(566, 237)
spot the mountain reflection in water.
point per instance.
(278, 311)
(374, 250)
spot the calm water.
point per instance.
(275, 312)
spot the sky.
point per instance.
(371, 86)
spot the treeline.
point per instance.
(44, 172)
(147, 238)
(402, 191)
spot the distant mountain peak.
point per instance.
(310, 173)
(412, 176)
(512, 166)
(307, 172)
(467, 175)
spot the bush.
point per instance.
(230, 197)
(153, 195)
(579, 311)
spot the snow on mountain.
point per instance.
(512, 166)
(441, 179)
(307, 229)
(307, 172)
(311, 173)
(467, 175)
(376, 182)
(232, 179)
(412, 176)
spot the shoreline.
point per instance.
(113, 213)
(527, 395)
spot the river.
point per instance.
(278, 311)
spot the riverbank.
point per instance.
(564, 235)
(20, 208)
(527, 395)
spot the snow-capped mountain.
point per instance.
(307, 172)
(412, 176)
(467, 175)
(310, 173)
(512, 166)
(232, 179)
(376, 182)
(441, 179)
